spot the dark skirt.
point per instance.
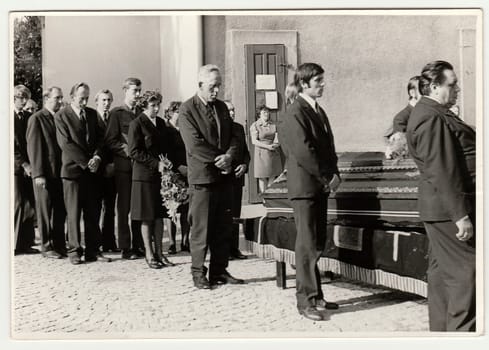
(146, 203)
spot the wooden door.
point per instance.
(269, 60)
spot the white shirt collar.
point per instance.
(50, 111)
(203, 101)
(309, 100)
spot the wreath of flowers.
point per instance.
(174, 190)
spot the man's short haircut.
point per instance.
(131, 81)
(47, 92)
(305, 73)
(22, 91)
(104, 91)
(75, 88)
(149, 96)
(205, 71)
(433, 73)
(413, 84)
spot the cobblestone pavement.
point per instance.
(54, 299)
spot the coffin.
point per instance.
(374, 231)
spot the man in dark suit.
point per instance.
(45, 156)
(312, 173)
(207, 132)
(241, 164)
(443, 147)
(116, 142)
(81, 139)
(24, 214)
(103, 101)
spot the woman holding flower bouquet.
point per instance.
(149, 139)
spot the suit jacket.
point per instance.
(308, 144)
(116, 136)
(243, 155)
(42, 146)
(146, 143)
(20, 143)
(202, 143)
(178, 146)
(75, 150)
(443, 148)
(400, 121)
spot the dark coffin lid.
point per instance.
(373, 190)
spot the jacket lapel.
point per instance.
(74, 121)
(204, 119)
(311, 114)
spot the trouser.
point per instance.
(236, 210)
(123, 183)
(451, 279)
(210, 220)
(310, 215)
(82, 195)
(108, 192)
(51, 215)
(24, 213)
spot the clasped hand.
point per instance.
(223, 162)
(93, 164)
(465, 229)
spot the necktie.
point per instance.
(322, 117)
(83, 121)
(211, 114)
(105, 117)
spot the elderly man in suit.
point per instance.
(80, 138)
(23, 193)
(241, 163)
(103, 101)
(207, 132)
(45, 156)
(312, 173)
(130, 239)
(443, 147)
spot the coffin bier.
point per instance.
(374, 231)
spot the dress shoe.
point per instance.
(128, 255)
(172, 250)
(75, 260)
(154, 264)
(28, 250)
(201, 282)
(311, 313)
(225, 278)
(322, 305)
(111, 249)
(164, 260)
(238, 255)
(52, 254)
(97, 257)
(139, 252)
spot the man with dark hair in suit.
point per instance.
(312, 173)
(400, 121)
(80, 139)
(241, 167)
(103, 101)
(207, 132)
(130, 239)
(443, 147)
(24, 214)
(45, 156)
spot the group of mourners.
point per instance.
(73, 161)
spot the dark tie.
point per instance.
(322, 116)
(211, 114)
(83, 120)
(105, 117)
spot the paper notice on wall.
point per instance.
(271, 99)
(265, 82)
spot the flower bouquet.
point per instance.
(174, 190)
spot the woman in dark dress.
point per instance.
(148, 139)
(171, 116)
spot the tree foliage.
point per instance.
(28, 54)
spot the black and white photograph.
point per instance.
(242, 173)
